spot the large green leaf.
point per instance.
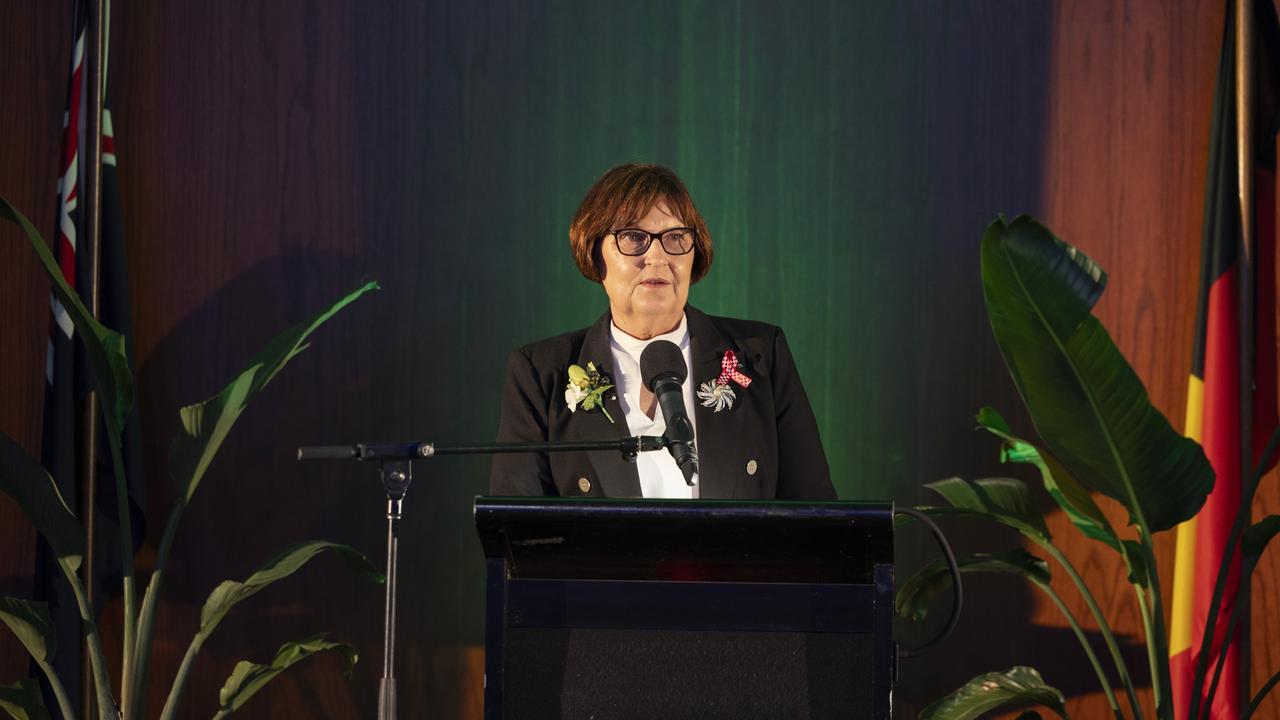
(1087, 403)
(24, 480)
(230, 592)
(104, 348)
(22, 701)
(1062, 486)
(248, 678)
(205, 425)
(1015, 686)
(1005, 500)
(918, 591)
(30, 622)
(1258, 536)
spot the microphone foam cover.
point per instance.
(662, 357)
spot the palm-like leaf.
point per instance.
(104, 348)
(248, 678)
(30, 622)
(918, 591)
(1258, 536)
(22, 701)
(1085, 400)
(24, 480)
(230, 592)
(1004, 500)
(1017, 685)
(205, 425)
(1071, 496)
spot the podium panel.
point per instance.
(709, 609)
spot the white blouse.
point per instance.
(659, 476)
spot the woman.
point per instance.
(638, 234)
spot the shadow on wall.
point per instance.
(848, 157)
(257, 498)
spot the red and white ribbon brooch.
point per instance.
(718, 394)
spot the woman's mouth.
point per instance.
(654, 283)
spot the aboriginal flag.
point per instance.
(1213, 394)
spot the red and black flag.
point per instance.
(1214, 389)
(66, 372)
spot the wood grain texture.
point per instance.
(1126, 154)
(33, 38)
(272, 154)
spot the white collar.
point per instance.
(634, 346)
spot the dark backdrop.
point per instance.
(847, 157)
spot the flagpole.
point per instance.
(1246, 62)
(92, 166)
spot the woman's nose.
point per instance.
(655, 254)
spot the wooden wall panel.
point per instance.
(241, 200)
(1126, 151)
(35, 40)
(274, 153)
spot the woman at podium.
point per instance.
(639, 234)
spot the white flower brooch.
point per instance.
(718, 394)
(587, 387)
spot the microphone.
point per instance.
(664, 372)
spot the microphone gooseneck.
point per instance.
(663, 370)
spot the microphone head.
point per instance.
(662, 357)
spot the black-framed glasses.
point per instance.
(634, 241)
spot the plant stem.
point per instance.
(1148, 631)
(146, 619)
(1088, 648)
(180, 682)
(1246, 572)
(1157, 651)
(107, 709)
(59, 692)
(1222, 656)
(126, 561)
(1205, 650)
(1107, 635)
(1257, 699)
(1220, 584)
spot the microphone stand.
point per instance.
(396, 471)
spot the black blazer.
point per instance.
(765, 446)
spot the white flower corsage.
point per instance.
(587, 388)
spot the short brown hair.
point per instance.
(623, 195)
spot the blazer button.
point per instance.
(584, 485)
(751, 467)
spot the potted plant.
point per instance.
(202, 429)
(1098, 432)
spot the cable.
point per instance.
(955, 583)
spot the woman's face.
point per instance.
(651, 289)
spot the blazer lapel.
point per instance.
(716, 430)
(616, 476)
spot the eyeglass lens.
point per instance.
(676, 241)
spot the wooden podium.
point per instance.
(701, 609)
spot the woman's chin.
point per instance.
(652, 302)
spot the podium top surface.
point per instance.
(695, 540)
